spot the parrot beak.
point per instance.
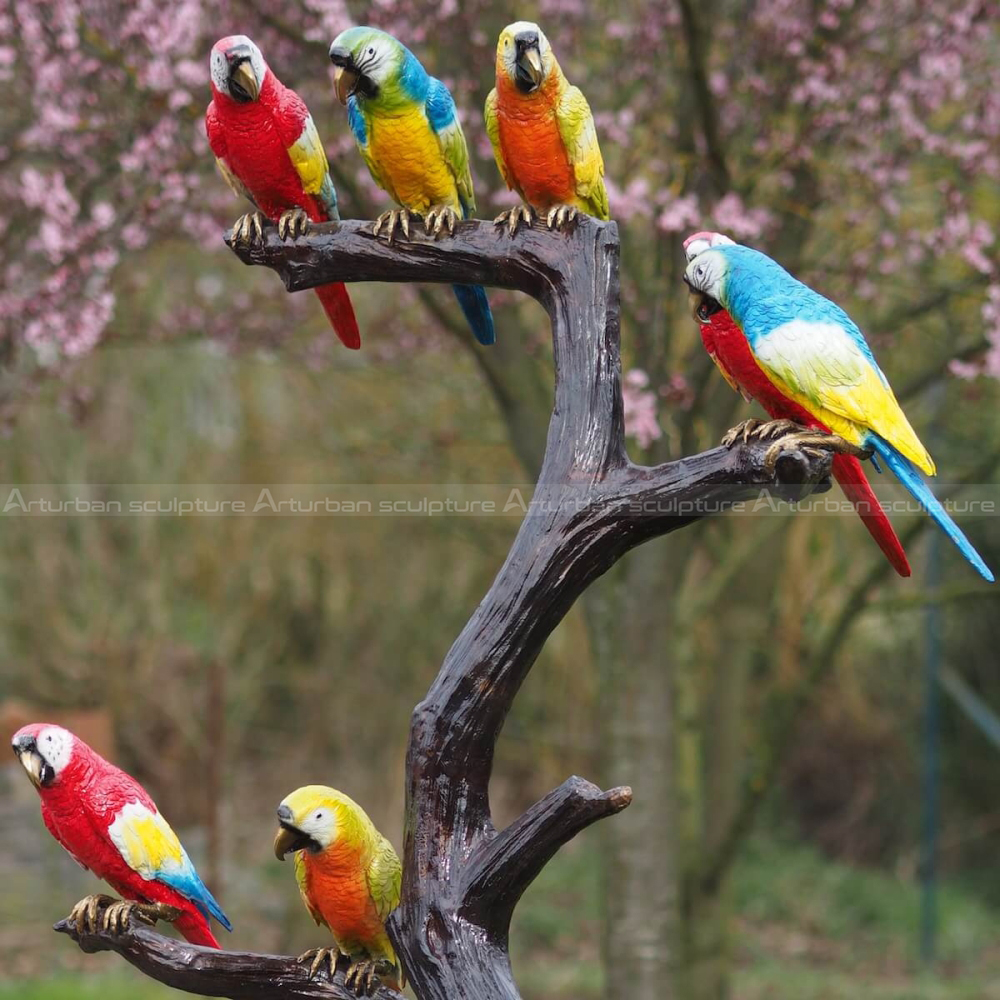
(528, 73)
(702, 306)
(243, 83)
(343, 82)
(345, 75)
(26, 751)
(244, 79)
(290, 838)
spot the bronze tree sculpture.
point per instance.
(462, 877)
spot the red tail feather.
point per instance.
(848, 472)
(195, 928)
(337, 304)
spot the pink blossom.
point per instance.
(640, 408)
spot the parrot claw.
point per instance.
(99, 912)
(440, 218)
(317, 957)
(741, 432)
(84, 915)
(248, 228)
(363, 975)
(560, 215)
(813, 444)
(396, 218)
(774, 429)
(293, 223)
(513, 217)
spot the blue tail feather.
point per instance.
(910, 477)
(475, 305)
(189, 884)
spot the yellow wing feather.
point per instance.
(493, 131)
(309, 158)
(385, 878)
(579, 136)
(146, 841)
(821, 367)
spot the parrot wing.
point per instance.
(303, 882)
(822, 367)
(150, 848)
(235, 184)
(309, 157)
(385, 878)
(576, 128)
(493, 131)
(440, 110)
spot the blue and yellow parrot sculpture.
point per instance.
(406, 126)
(815, 355)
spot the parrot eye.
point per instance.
(371, 50)
(699, 271)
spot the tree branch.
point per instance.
(240, 975)
(506, 865)
(591, 505)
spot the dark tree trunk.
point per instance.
(462, 878)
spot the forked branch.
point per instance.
(591, 505)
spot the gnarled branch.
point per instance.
(240, 975)
(591, 505)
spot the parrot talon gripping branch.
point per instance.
(559, 216)
(513, 217)
(440, 218)
(293, 223)
(395, 218)
(249, 227)
(319, 958)
(461, 877)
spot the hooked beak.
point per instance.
(703, 307)
(528, 65)
(289, 837)
(345, 75)
(26, 751)
(243, 85)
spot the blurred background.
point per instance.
(809, 738)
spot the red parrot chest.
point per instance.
(725, 341)
(257, 153)
(532, 147)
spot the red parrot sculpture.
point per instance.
(268, 150)
(730, 350)
(109, 824)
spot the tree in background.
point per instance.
(857, 143)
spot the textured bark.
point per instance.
(591, 505)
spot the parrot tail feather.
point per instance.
(848, 472)
(908, 475)
(195, 929)
(337, 305)
(475, 305)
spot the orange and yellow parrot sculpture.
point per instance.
(543, 134)
(349, 877)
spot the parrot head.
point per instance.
(524, 55)
(365, 61)
(703, 304)
(44, 751)
(238, 68)
(311, 819)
